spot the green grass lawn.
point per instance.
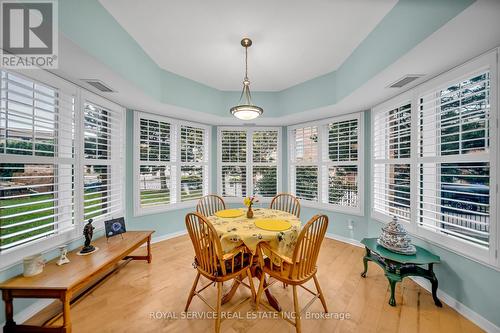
(36, 204)
(151, 197)
(14, 210)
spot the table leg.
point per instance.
(9, 308)
(365, 262)
(392, 283)
(227, 297)
(66, 299)
(434, 283)
(256, 272)
(150, 256)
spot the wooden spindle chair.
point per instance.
(287, 203)
(209, 204)
(299, 269)
(214, 265)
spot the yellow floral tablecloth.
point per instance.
(236, 231)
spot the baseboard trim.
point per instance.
(465, 311)
(344, 239)
(168, 236)
(31, 310)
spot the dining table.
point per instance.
(241, 230)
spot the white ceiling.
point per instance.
(294, 41)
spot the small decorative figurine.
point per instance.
(395, 238)
(88, 232)
(63, 258)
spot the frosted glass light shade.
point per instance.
(246, 112)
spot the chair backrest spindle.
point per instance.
(287, 203)
(306, 250)
(206, 243)
(209, 204)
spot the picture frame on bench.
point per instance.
(114, 227)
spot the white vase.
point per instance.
(33, 265)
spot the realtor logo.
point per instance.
(29, 37)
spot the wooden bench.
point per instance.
(74, 280)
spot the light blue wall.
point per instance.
(88, 24)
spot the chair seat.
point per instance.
(237, 264)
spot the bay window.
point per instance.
(435, 157)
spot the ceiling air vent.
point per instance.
(405, 80)
(99, 85)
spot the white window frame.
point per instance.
(398, 101)
(116, 162)
(11, 257)
(175, 163)
(324, 163)
(488, 61)
(249, 161)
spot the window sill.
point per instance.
(330, 208)
(138, 212)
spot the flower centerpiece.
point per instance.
(249, 201)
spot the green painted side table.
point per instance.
(398, 266)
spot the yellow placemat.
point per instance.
(229, 213)
(273, 224)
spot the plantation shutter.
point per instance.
(234, 163)
(454, 160)
(305, 163)
(103, 161)
(391, 168)
(341, 165)
(155, 168)
(265, 159)
(194, 163)
(37, 160)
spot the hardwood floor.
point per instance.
(142, 297)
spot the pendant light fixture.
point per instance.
(245, 110)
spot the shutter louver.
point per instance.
(193, 163)
(154, 185)
(306, 182)
(306, 145)
(305, 160)
(191, 182)
(391, 170)
(234, 160)
(265, 159)
(234, 182)
(342, 163)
